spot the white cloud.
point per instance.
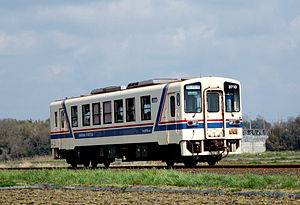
(51, 73)
(180, 75)
(125, 44)
(178, 6)
(78, 53)
(62, 39)
(97, 12)
(201, 32)
(179, 38)
(58, 70)
(55, 70)
(294, 29)
(293, 88)
(295, 24)
(67, 13)
(17, 44)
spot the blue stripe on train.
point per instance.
(234, 126)
(138, 130)
(115, 132)
(160, 107)
(201, 125)
(181, 126)
(67, 117)
(107, 133)
(60, 136)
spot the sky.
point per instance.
(54, 49)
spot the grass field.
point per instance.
(289, 182)
(151, 177)
(287, 157)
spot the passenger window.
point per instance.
(232, 97)
(192, 98)
(96, 114)
(55, 119)
(86, 115)
(119, 111)
(146, 107)
(107, 118)
(74, 116)
(130, 110)
(172, 106)
(213, 102)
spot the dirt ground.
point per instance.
(63, 196)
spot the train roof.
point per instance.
(146, 83)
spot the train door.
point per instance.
(214, 123)
(171, 115)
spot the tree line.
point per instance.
(24, 138)
(284, 135)
(27, 138)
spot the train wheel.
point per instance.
(86, 163)
(170, 163)
(190, 162)
(94, 163)
(74, 165)
(211, 162)
(71, 159)
(106, 164)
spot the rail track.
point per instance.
(176, 167)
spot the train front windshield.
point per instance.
(192, 98)
(232, 96)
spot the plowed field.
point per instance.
(62, 196)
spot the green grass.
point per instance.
(152, 177)
(287, 157)
(7, 183)
(254, 162)
(267, 154)
(274, 161)
(47, 162)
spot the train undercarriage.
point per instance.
(210, 151)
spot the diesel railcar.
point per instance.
(188, 121)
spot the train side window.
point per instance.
(213, 102)
(118, 111)
(55, 119)
(74, 116)
(130, 110)
(232, 97)
(96, 114)
(107, 118)
(172, 106)
(146, 107)
(86, 115)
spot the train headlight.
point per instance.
(234, 122)
(192, 123)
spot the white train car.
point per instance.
(189, 121)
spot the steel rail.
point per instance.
(179, 167)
